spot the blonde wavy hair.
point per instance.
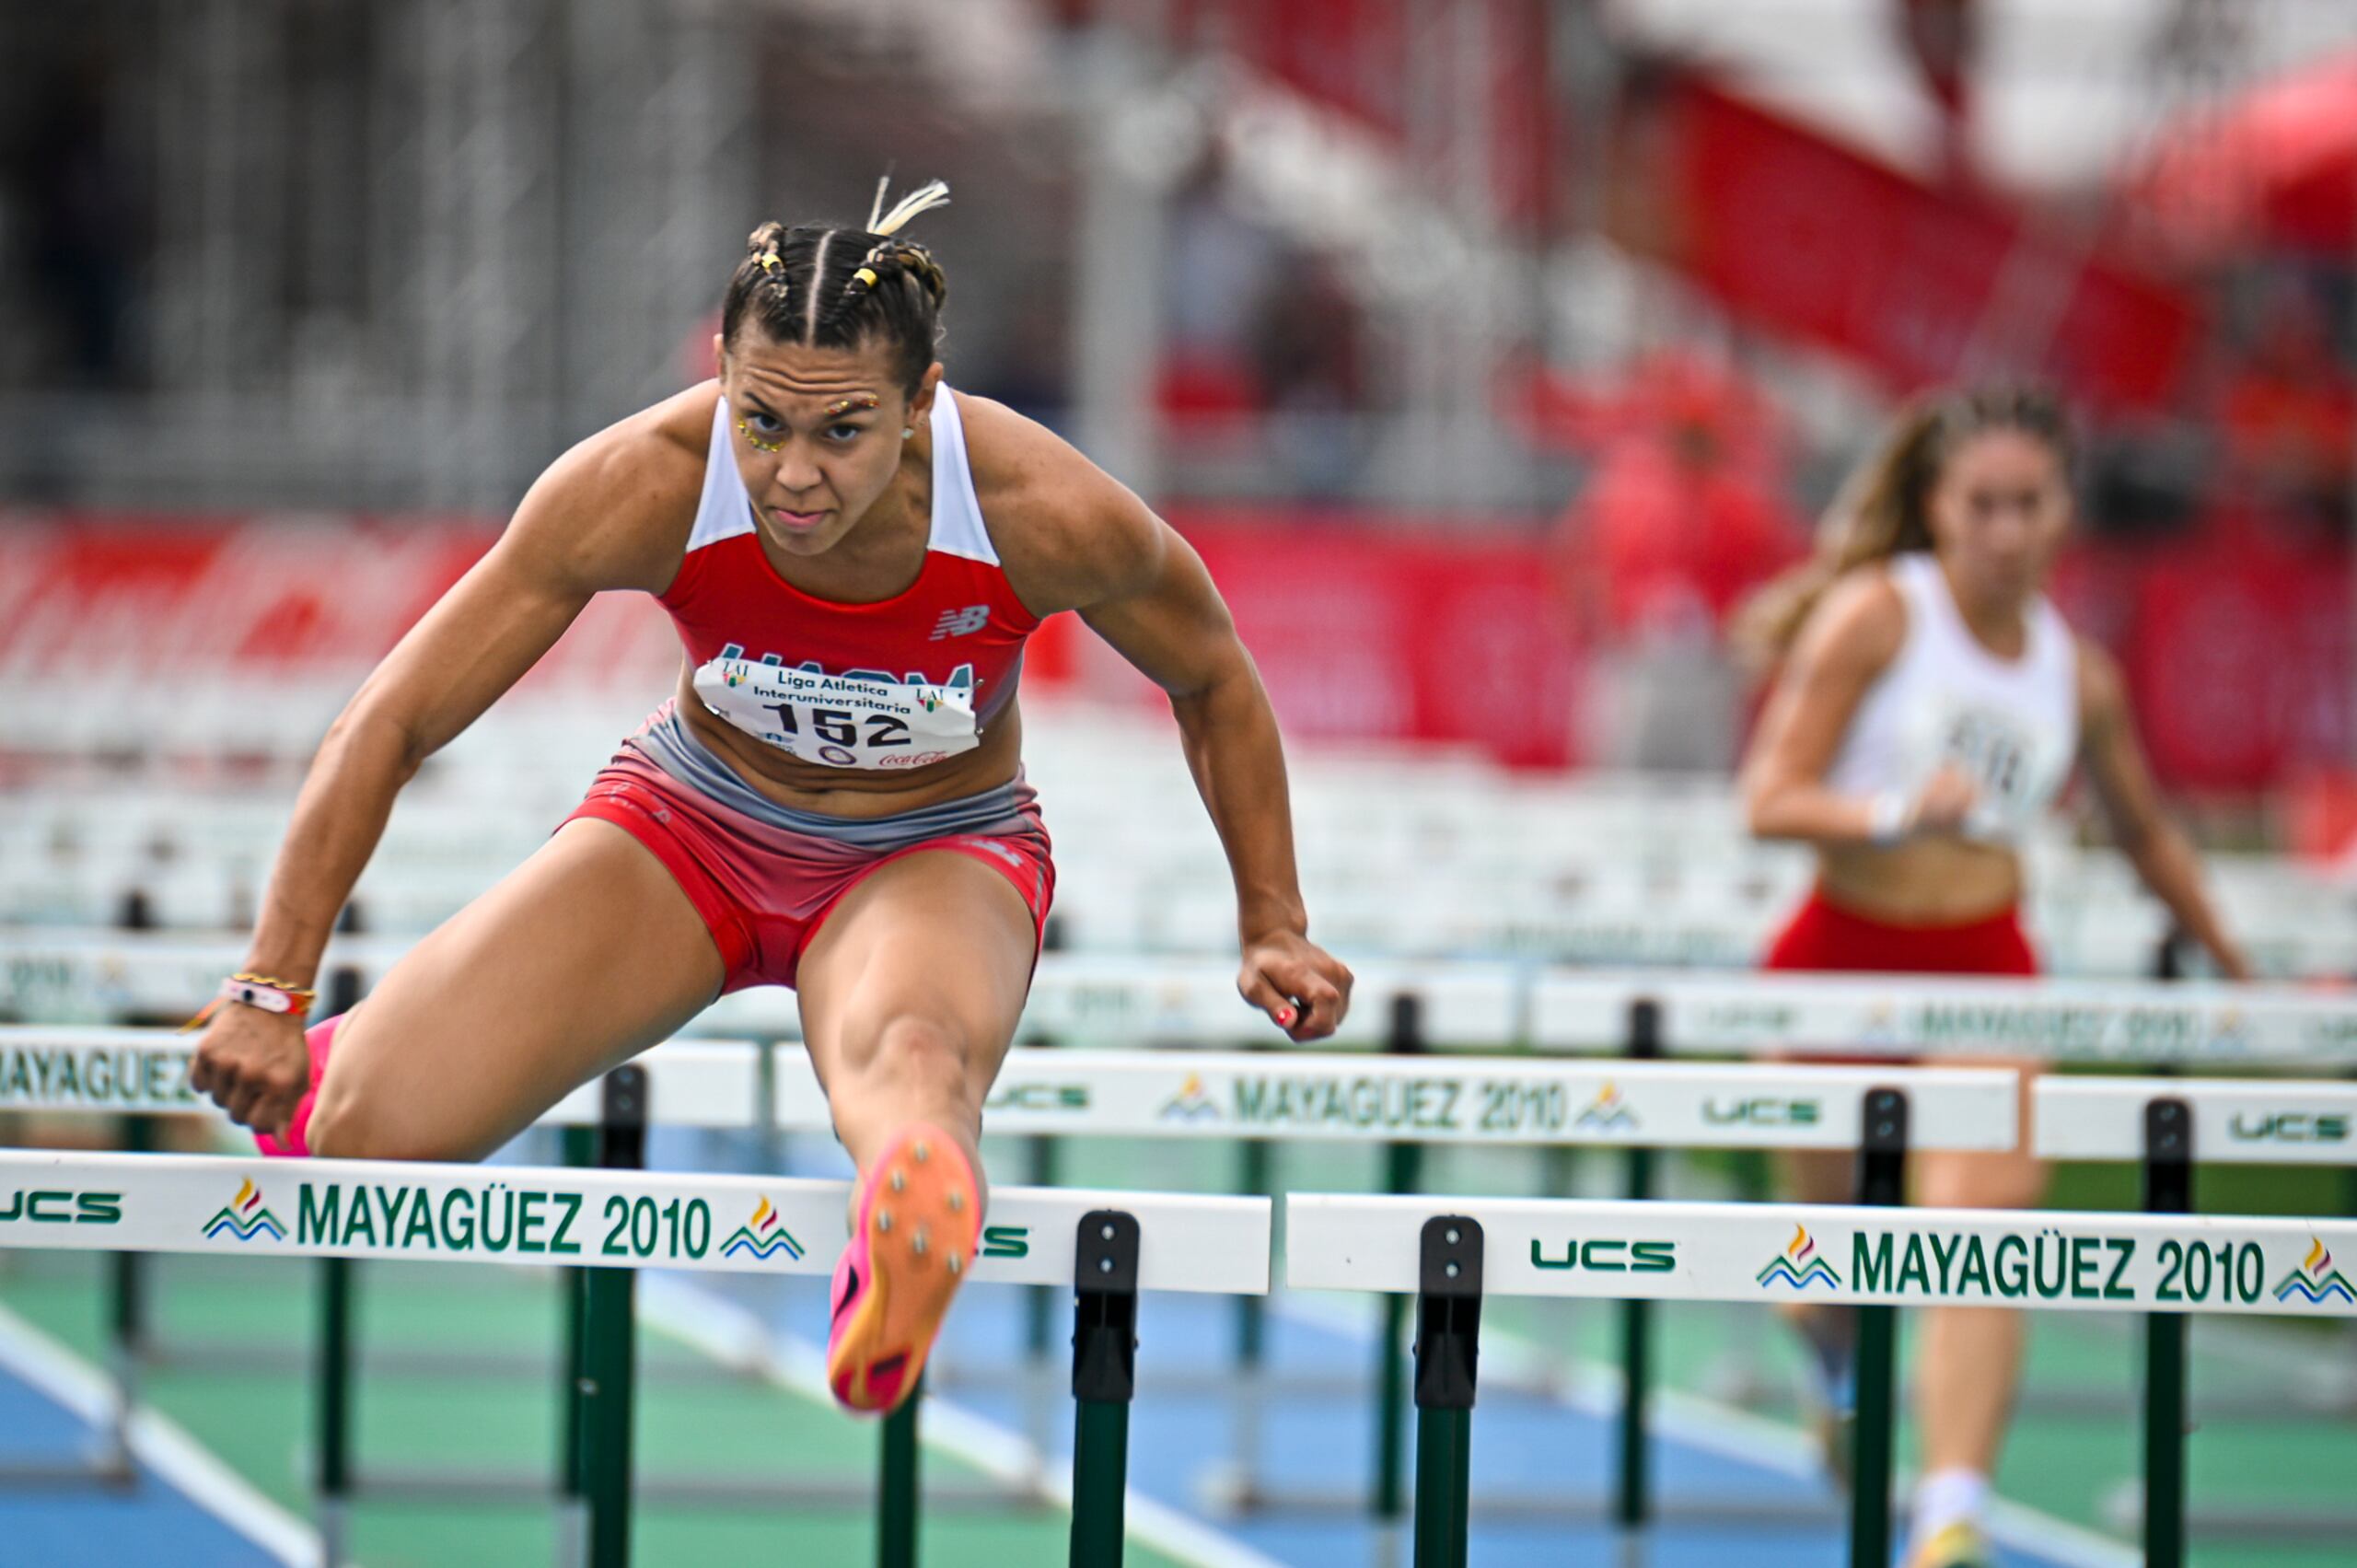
(1881, 510)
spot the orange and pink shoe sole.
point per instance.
(918, 1224)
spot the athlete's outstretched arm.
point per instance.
(567, 540)
(2164, 857)
(1156, 606)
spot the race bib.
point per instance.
(840, 721)
(2011, 773)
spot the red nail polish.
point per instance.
(1284, 1017)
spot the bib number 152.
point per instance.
(838, 727)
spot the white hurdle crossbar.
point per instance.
(1302, 1095)
(566, 1216)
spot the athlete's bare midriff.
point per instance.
(1933, 881)
(859, 792)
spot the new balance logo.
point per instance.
(957, 622)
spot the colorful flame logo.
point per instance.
(763, 1236)
(2316, 1281)
(1797, 1267)
(1191, 1103)
(248, 1196)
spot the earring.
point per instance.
(908, 432)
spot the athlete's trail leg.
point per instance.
(581, 958)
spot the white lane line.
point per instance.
(738, 1338)
(158, 1442)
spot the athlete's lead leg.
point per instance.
(910, 995)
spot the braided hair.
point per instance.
(840, 287)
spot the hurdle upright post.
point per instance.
(577, 1146)
(609, 1333)
(2168, 1190)
(334, 1373)
(128, 1341)
(127, 1272)
(1448, 1348)
(1402, 1169)
(1882, 1182)
(1104, 1381)
(1632, 1489)
(898, 1486)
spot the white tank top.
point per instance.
(2011, 725)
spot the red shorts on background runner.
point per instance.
(1823, 936)
(763, 890)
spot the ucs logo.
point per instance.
(1605, 1256)
(1038, 1096)
(1761, 1110)
(53, 1207)
(2288, 1127)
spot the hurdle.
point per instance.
(1105, 1247)
(2169, 1126)
(1258, 1097)
(1449, 1254)
(1415, 1101)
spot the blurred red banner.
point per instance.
(1807, 238)
(2238, 655)
(1385, 633)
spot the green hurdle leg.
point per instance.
(1633, 1489)
(332, 1481)
(899, 1496)
(1403, 1166)
(609, 1345)
(1443, 1481)
(1040, 1301)
(1100, 1470)
(2168, 1190)
(129, 1276)
(1104, 1380)
(609, 1367)
(1631, 1496)
(1882, 1156)
(578, 1146)
(1448, 1329)
(1253, 1161)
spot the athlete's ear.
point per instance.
(920, 405)
(719, 357)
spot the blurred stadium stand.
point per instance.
(1490, 349)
